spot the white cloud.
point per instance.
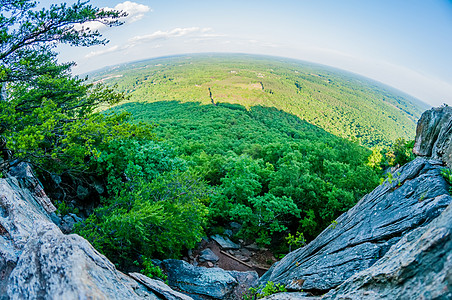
(176, 32)
(196, 32)
(89, 26)
(135, 12)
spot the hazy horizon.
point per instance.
(93, 72)
(402, 44)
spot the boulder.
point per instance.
(419, 266)
(414, 197)
(225, 242)
(207, 283)
(208, 255)
(26, 180)
(57, 266)
(245, 280)
(159, 287)
(68, 222)
(19, 212)
(291, 296)
(434, 134)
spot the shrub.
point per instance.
(447, 174)
(270, 288)
(126, 160)
(153, 271)
(154, 219)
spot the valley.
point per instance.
(341, 103)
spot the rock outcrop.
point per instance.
(208, 283)
(419, 266)
(395, 243)
(365, 233)
(38, 261)
(434, 134)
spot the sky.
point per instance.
(405, 44)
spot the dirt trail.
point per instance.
(243, 259)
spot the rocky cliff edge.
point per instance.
(396, 243)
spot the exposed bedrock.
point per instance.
(416, 196)
(434, 134)
(396, 242)
(38, 261)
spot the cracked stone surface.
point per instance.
(434, 134)
(38, 261)
(208, 283)
(416, 196)
(419, 266)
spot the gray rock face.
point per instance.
(159, 287)
(290, 296)
(68, 222)
(207, 283)
(419, 266)
(26, 180)
(225, 242)
(245, 280)
(37, 261)
(19, 212)
(208, 255)
(57, 266)
(416, 196)
(434, 134)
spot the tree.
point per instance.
(151, 218)
(49, 117)
(28, 35)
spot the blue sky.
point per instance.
(405, 44)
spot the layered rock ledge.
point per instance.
(415, 197)
(395, 243)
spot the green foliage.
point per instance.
(48, 116)
(258, 158)
(376, 159)
(242, 179)
(154, 206)
(400, 153)
(48, 140)
(63, 208)
(28, 34)
(295, 241)
(152, 271)
(333, 224)
(269, 289)
(447, 174)
(343, 104)
(157, 218)
(390, 178)
(125, 160)
(263, 216)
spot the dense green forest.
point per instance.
(341, 103)
(264, 151)
(266, 169)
